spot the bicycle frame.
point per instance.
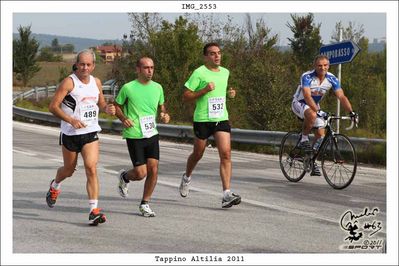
(330, 132)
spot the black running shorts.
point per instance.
(203, 130)
(142, 149)
(75, 143)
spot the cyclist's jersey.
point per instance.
(140, 104)
(210, 107)
(81, 103)
(310, 79)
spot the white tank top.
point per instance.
(81, 103)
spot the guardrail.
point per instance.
(45, 92)
(237, 135)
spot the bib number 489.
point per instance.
(90, 114)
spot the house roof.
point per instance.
(109, 48)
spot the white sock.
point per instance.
(226, 192)
(305, 138)
(187, 178)
(93, 204)
(55, 185)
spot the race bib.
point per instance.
(88, 114)
(148, 126)
(216, 107)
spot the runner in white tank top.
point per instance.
(81, 103)
(77, 102)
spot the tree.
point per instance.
(107, 44)
(68, 48)
(348, 33)
(47, 55)
(306, 42)
(63, 73)
(24, 55)
(55, 46)
(259, 38)
(175, 49)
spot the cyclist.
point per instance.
(305, 104)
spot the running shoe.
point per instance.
(52, 194)
(315, 170)
(230, 200)
(305, 146)
(123, 187)
(96, 217)
(184, 186)
(146, 210)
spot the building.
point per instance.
(109, 52)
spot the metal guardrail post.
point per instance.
(36, 94)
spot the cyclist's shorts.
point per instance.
(142, 149)
(299, 109)
(75, 143)
(203, 130)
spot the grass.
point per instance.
(50, 73)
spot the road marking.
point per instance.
(249, 201)
(57, 160)
(24, 152)
(213, 193)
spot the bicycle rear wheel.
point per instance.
(291, 157)
(339, 161)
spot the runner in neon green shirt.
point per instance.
(139, 100)
(140, 104)
(210, 107)
(207, 86)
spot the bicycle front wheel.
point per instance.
(339, 161)
(291, 157)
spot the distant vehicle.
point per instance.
(111, 87)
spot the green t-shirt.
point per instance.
(210, 107)
(140, 104)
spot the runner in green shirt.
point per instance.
(207, 86)
(136, 106)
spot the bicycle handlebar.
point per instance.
(353, 123)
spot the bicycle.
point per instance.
(336, 152)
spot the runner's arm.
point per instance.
(102, 104)
(101, 100)
(189, 95)
(64, 88)
(165, 118)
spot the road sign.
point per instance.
(341, 52)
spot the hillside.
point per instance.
(79, 43)
(83, 43)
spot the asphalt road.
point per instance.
(275, 216)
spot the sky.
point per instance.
(114, 25)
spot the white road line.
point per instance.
(249, 201)
(57, 160)
(213, 193)
(24, 152)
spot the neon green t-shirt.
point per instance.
(210, 107)
(140, 104)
